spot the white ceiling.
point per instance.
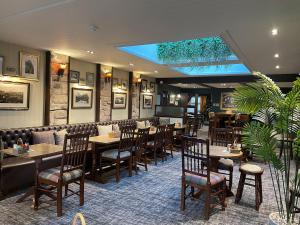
(188, 85)
(64, 26)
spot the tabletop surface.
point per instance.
(221, 152)
(37, 151)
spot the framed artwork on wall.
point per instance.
(147, 101)
(82, 98)
(124, 85)
(144, 85)
(115, 83)
(74, 76)
(227, 102)
(1, 65)
(90, 79)
(29, 66)
(14, 95)
(152, 87)
(119, 100)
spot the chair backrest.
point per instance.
(169, 134)
(159, 136)
(195, 157)
(127, 137)
(141, 139)
(222, 136)
(237, 134)
(74, 152)
(191, 126)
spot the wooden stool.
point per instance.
(253, 170)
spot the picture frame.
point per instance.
(29, 66)
(90, 79)
(74, 76)
(152, 87)
(119, 100)
(1, 65)
(144, 85)
(82, 98)
(115, 83)
(147, 101)
(14, 95)
(172, 99)
(124, 84)
(227, 101)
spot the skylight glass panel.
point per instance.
(238, 69)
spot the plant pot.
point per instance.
(275, 219)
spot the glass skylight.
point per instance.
(213, 70)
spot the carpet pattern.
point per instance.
(148, 198)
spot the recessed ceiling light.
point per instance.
(223, 84)
(131, 64)
(277, 67)
(276, 55)
(155, 71)
(90, 52)
(274, 31)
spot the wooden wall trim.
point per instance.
(98, 94)
(47, 88)
(130, 91)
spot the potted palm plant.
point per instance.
(273, 135)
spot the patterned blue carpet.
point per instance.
(151, 197)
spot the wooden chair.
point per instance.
(191, 127)
(195, 153)
(256, 172)
(223, 137)
(140, 148)
(169, 139)
(158, 143)
(124, 152)
(71, 171)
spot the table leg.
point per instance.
(26, 195)
(94, 161)
(36, 186)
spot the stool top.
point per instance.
(251, 168)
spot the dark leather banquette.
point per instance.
(17, 173)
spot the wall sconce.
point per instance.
(108, 76)
(139, 80)
(61, 69)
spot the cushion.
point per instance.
(225, 164)
(60, 136)
(251, 168)
(147, 123)
(43, 137)
(215, 178)
(140, 124)
(164, 121)
(113, 154)
(104, 130)
(53, 174)
(116, 128)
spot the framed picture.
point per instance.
(74, 76)
(29, 66)
(90, 79)
(144, 85)
(172, 99)
(119, 100)
(82, 98)
(14, 95)
(227, 102)
(152, 87)
(147, 101)
(124, 85)
(1, 65)
(115, 83)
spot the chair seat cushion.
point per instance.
(215, 178)
(54, 173)
(251, 168)
(150, 143)
(113, 154)
(225, 164)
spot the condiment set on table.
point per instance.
(20, 147)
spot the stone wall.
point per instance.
(105, 99)
(135, 101)
(59, 90)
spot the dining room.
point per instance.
(133, 112)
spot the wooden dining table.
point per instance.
(37, 153)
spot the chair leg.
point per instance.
(207, 205)
(145, 161)
(135, 164)
(59, 200)
(117, 170)
(82, 191)
(171, 150)
(36, 197)
(260, 189)
(240, 188)
(257, 193)
(66, 189)
(130, 166)
(230, 178)
(183, 190)
(155, 158)
(224, 191)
